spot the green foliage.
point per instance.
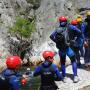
(23, 27)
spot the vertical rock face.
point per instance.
(6, 18)
(9, 9)
(48, 12)
(47, 17)
(6, 11)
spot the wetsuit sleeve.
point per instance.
(58, 75)
(37, 71)
(53, 35)
(14, 83)
(83, 26)
(76, 29)
(72, 27)
(85, 30)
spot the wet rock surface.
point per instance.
(84, 80)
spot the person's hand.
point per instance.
(25, 76)
(72, 42)
(85, 44)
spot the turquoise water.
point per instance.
(33, 83)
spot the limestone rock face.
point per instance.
(46, 21)
(9, 9)
(46, 15)
(48, 12)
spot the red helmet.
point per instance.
(13, 61)
(62, 19)
(74, 22)
(47, 54)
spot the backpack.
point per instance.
(4, 83)
(61, 40)
(60, 37)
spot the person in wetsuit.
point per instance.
(76, 39)
(87, 40)
(60, 37)
(48, 71)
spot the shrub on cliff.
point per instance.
(21, 32)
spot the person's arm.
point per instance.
(78, 32)
(53, 35)
(37, 71)
(57, 72)
(76, 29)
(85, 31)
(83, 26)
(14, 83)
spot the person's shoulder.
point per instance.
(54, 65)
(71, 26)
(8, 72)
(13, 78)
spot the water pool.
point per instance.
(32, 83)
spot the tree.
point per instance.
(20, 34)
